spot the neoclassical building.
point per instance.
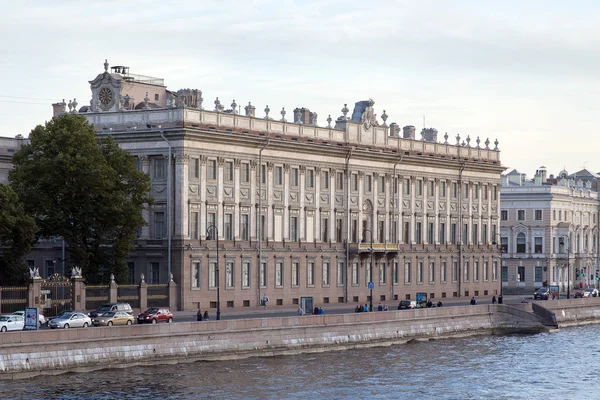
(300, 210)
(549, 231)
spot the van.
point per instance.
(111, 308)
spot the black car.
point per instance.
(407, 305)
(542, 293)
(111, 308)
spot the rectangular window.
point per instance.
(418, 233)
(382, 273)
(486, 271)
(419, 187)
(244, 228)
(324, 184)
(521, 274)
(211, 172)
(454, 190)
(504, 244)
(229, 171)
(538, 245)
(159, 225)
(263, 228)
(442, 233)
(154, 273)
(263, 174)
(476, 191)
(245, 274)
(326, 273)
(407, 187)
(294, 177)
(229, 274)
(245, 173)
(339, 181)
(381, 231)
(554, 215)
(196, 274)
(484, 238)
(406, 232)
(338, 230)
(504, 215)
(466, 272)
(228, 227)
(194, 168)
(495, 270)
(309, 176)
(294, 229)
(159, 170)
(381, 185)
(442, 188)
(465, 234)
(431, 188)
(279, 274)
(340, 273)
(355, 274)
(454, 271)
(407, 272)
(393, 234)
(368, 183)
(395, 272)
(295, 274)
(495, 193)
(354, 231)
(212, 275)
(354, 182)
(453, 238)
(485, 192)
(443, 271)
(466, 190)
(278, 176)
(476, 271)
(193, 225)
(420, 272)
(475, 234)
(520, 215)
(324, 229)
(430, 234)
(263, 274)
(538, 274)
(560, 215)
(504, 273)
(211, 220)
(310, 273)
(538, 215)
(431, 272)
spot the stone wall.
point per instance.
(24, 354)
(574, 311)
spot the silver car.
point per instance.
(11, 323)
(71, 320)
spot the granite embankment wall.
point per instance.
(24, 354)
(574, 311)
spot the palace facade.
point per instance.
(260, 205)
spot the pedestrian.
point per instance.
(500, 299)
(380, 307)
(473, 301)
(199, 315)
(429, 303)
(439, 304)
(320, 312)
(494, 299)
(206, 317)
(361, 308)
(385, 307)
(366, 308)
(316, 310)
(265, 300)
(357, 309)
(300, 311)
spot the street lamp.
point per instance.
(371, 284)
(209, 236)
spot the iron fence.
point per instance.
(129, 294)
(13, 298)
(96, 295)
(158, 295)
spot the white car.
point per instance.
(70, 320)
(11, 323)
(42, 320)
(590, 293)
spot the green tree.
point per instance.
(17, 234)
(84, 189)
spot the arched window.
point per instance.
(521, 243)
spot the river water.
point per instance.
(558, 365)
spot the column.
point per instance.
(398, 202)
(318, 220)
(254, 177)
(388, 211)
(180, 186)
(375, 219)
(413, 185)
(436, 211)
(145, 234)
(361, 191)
(332, 216)
(286, 201)
(268, 207)
(302, 216)
(236, 198)
(220, 208)
(202, 189)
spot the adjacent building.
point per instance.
(549, 230)
(277, 204)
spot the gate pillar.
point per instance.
(34, 293)
(113, 294)
(172, 294)
(78, 294)
(143, 295)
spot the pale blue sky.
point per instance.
(524, 72)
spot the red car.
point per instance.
(155, 315)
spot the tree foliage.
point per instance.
(86, 190)
(17, 234)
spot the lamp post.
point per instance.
(370, 271)
(209, 232)
(568, 273)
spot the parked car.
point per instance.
(72, 320)
(60, 314)
(11, 323)
(111, 308)
(41, 319)
(407, 305)
(592, 292)
(154, 315)
(578, 295)
(542, 293)
(114, 318)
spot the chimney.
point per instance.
(543, 172)
(409, 132)
(302, 116)
(429, 134)
(394, 130)
(250, 110)
(59, 108)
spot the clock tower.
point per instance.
(106, 91)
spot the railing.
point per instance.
(129, 294)
(96, 295)
(158, 295)
(13, 298)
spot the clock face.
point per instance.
(105, 96)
